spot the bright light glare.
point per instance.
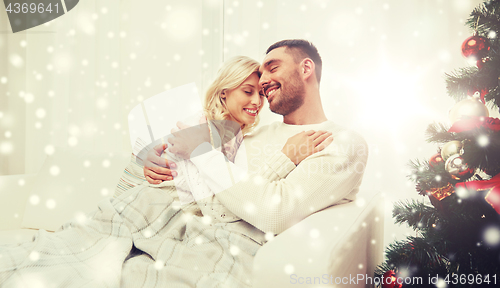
(390, 98)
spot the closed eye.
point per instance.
(274, 69)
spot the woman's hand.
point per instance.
(306, 143)
(156, 168)
(185, 140)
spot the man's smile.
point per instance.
(270, 90)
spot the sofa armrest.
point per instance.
(14, 192)
(341, 241)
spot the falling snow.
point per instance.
(159, 265)
(34, 200)
(50, 203)
(492, 236)
(54, 170)
(40, 113)
(234, 250)
(34, 256)
(16, 60)
(106, 163)
(314, 233)
(483, 140)
(49, 149)
(104, 192)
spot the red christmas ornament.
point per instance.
(475, 122)
(492, 185)
(435, 160)
(389, 280)
(475, 46)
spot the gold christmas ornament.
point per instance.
(451, 148)
(468, 107)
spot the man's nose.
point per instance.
(264, 80)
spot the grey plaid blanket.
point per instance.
(140, 239)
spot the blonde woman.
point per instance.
(231, 106)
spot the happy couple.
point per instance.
(200, 222)
(278, 185)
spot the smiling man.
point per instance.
(272, 193)
(290, 75)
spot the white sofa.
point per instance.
(333, 245)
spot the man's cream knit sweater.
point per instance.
(267, 190)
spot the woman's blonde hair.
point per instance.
(230, 76)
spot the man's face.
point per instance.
(281, 82)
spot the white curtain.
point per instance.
(71, 82)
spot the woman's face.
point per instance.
(244, 102)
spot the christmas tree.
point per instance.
(457, 223)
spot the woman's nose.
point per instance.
(256, 99)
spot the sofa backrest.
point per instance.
(70, 184)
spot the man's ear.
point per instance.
(307, 68)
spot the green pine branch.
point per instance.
(493, 96)
(485, 17)
(414, 255)
(477, 154)
(415, 214)
(438, 133)
(427, 177)
(461, 81)
(464, 81)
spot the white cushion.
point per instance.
(340, 241)
(70, 183)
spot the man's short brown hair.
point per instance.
(300, 49)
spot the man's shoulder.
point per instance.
(343, 133)
(346, 137)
